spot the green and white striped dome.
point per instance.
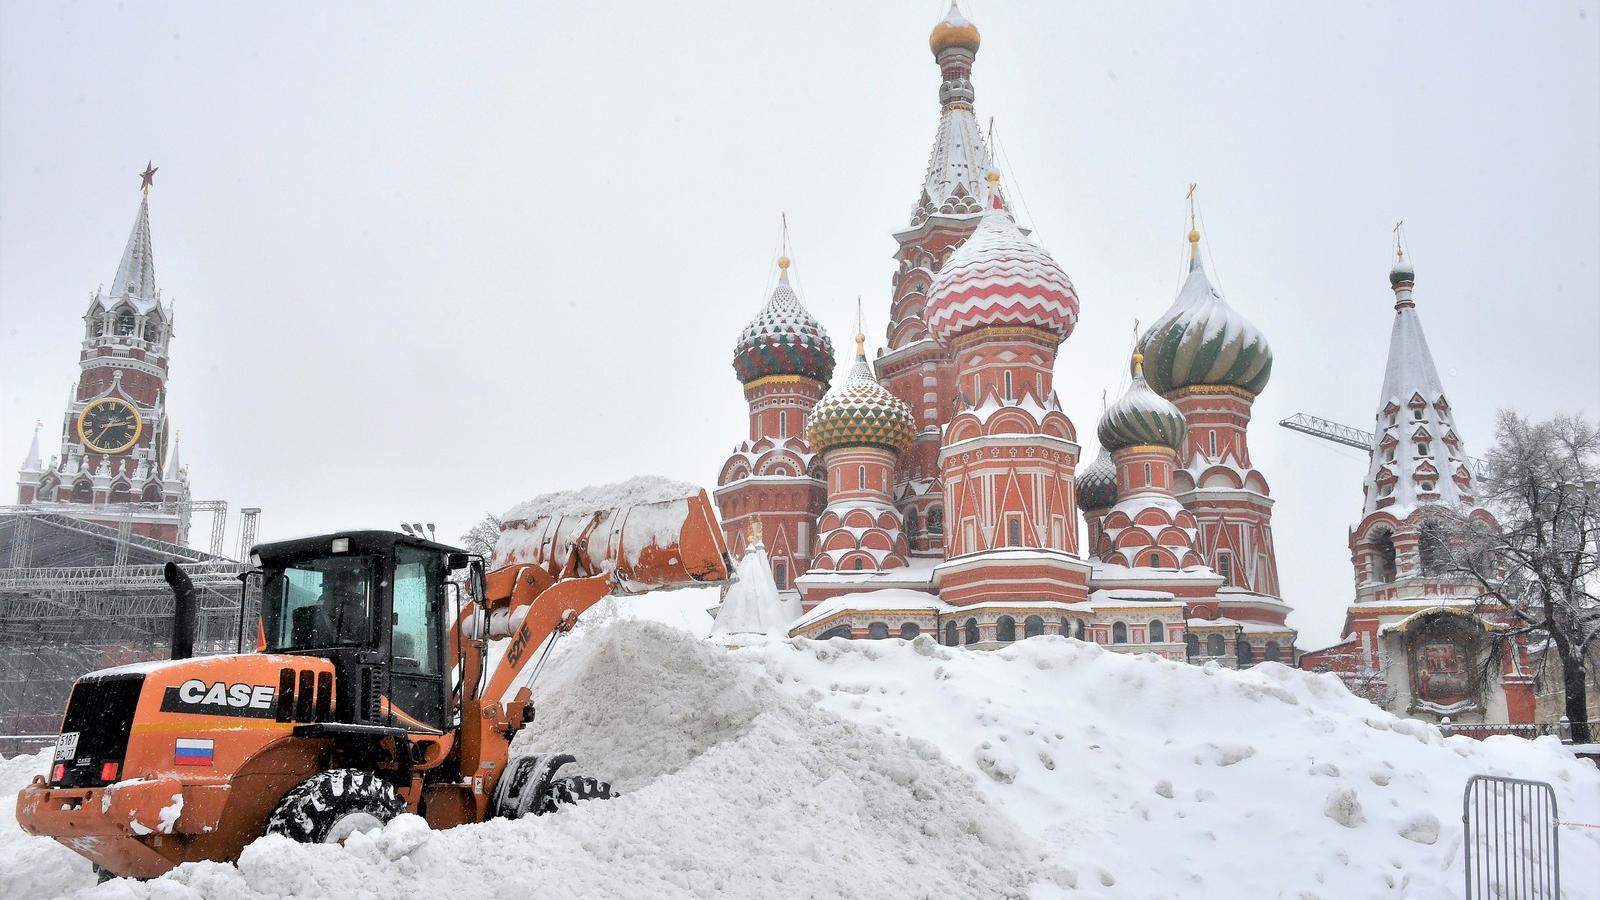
(1141, 417)
(1202, 340)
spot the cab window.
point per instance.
(418, 585)
(318, 603)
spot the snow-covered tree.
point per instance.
(481, 537)
(1539, 561)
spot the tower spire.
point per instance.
(1418, 456)
(136, 272)
(31, 464)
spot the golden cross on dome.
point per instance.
(1399, 249)
(147, 177)
(861, 337)
(1194, 233)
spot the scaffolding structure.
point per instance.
(79, 595)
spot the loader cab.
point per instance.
(374, 603)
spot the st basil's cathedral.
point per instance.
(936, 489)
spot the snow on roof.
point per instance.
(872, 601)
(1218, 622)
(1123, 596)
(583, 501)
(1107, 571)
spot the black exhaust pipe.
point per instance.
(183, 611)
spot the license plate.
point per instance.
(66, 745)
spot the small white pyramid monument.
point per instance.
(752, 605)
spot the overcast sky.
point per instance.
(430, 262)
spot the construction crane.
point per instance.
(1347, 435)
(1330, 431)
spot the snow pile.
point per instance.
(30, 866)
(732, 788)
(1152, 778)
(752, 605)
(1049, 769)
(583, 501)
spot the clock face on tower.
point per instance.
(109, 425)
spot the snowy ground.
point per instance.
(894, 769)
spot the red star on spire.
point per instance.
(148, 176)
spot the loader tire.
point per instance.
(330, 806)
(571, 789)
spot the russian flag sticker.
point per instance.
(194, 752)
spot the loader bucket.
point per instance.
(651, 546)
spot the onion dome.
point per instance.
(783, 339)
(999, 277)
(954, 31)
(1141, 417)
(1097, 484)
(1202, 340)
(1403, 272)
(861, 413)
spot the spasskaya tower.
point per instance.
(119, 459)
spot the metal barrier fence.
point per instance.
(1512, 848)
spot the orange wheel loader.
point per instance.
(383, 682)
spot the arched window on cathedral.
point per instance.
(1274, 653)
(860, 564)
(1078, 629)
(861, 478)
(783, 423)
(1214, 645)
(911, 521)
(909, 630)
(126, 322)
(97, 325)
(1158, 632)
(121, 493)
(877, 631)
(1153, 560)
(971, 629)
(152, 332)
(950, 637)
(1211, 442)
(83, 492)
(1242, 651)
(1008, 386)
(935, 520)
(152, 493)
(780, 576)
(1225, 567)
(1014, 532)
(1032, 626)
(1383, 558)
(837, 631)
(1005, 629)
(1119, 632)
(1191, 646)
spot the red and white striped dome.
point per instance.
(1000, 277)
